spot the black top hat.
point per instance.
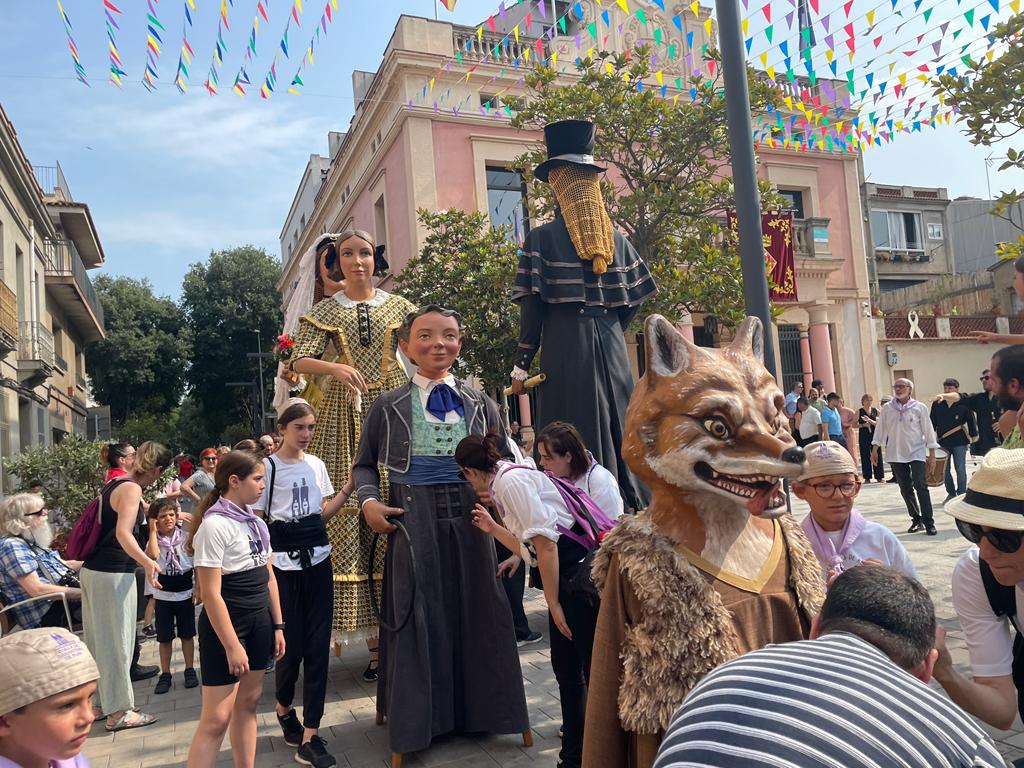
(570, 142)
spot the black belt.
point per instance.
(299, 539)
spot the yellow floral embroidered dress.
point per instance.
(364, 336)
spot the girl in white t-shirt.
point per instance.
(563, 454)
(840, 536)
(293, 504)
(240, 628)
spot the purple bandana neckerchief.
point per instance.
(823, 546)
(170, 544)
(257, 527)
(902, 408)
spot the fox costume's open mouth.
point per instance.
(762, 492)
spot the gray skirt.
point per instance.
(454, 667)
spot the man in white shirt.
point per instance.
(905, 431)
(987, 591)
(810, 426)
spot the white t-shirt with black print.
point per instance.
(299, 490)
(165, 567)
(227, 544)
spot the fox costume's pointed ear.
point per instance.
(669, 353)
(750, 337)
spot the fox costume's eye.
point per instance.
(716, 427)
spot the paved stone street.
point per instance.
(349, 725)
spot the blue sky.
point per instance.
(171, 177)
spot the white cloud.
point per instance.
(219, 132)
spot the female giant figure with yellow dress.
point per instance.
(346, 348)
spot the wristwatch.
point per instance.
(279, 626)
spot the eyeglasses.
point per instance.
(1005, 541)
(209, 458)
(901, 386)
(40, 513)
(828, 490)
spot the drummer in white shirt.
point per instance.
(563, 454)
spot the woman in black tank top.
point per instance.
(109, 596)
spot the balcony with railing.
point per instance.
(51, 180)
(70, 285)
(810, 238)
(498, 49)
(36, 359)
(8, 320)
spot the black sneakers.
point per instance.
(314, 753)
(292, 729)
(917, 526)
(163, 685)
(530, 639)
(141, 672)
(191, 678)
(930, 530)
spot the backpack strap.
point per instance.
(1001, 598)
(270, 491)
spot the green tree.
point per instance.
(70, 474)
(232, 308)
(988, 96)
(465, 264)
(138, 369)
(668, 169)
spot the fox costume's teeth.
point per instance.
(761, 491)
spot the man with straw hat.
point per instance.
(987, 591)
(578, 285)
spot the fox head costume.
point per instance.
(706, 431)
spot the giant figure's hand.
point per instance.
(377, 514)
(346, 374)
(518, 387)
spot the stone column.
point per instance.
(805, 359)
(821, 349)
(685, 325)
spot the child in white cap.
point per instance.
(841, 537)
(47, 678)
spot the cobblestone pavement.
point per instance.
(348, 724)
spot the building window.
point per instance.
(506, 201)
(380, 222)
(934, 231)
(896, 231)
(794, 202)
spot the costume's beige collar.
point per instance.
(428, 384)
(754, 585)
(379, 297)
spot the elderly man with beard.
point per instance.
(28, 567)
(904, 430)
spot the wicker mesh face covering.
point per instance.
(579, 195)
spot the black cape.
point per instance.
(578, 320)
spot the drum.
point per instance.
(937, 475)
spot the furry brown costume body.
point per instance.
(707, 573)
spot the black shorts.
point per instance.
(255, 631)
(175, 618)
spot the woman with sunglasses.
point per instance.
(987, 589)
(841, 537)
(200, 482)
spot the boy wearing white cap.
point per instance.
(47, 678)
(988, 591)
(841, 537)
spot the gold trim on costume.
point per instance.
(754, 585)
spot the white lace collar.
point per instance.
(379, 297)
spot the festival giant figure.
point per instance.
(714, 568)
(346, 349)
(578, 285)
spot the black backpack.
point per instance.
(1003, 600)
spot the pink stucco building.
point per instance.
(395, 159)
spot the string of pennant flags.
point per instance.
(882, 89)
(156, 33)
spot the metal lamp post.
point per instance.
(744, 172)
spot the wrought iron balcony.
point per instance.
(70, 285)
(36, 360)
